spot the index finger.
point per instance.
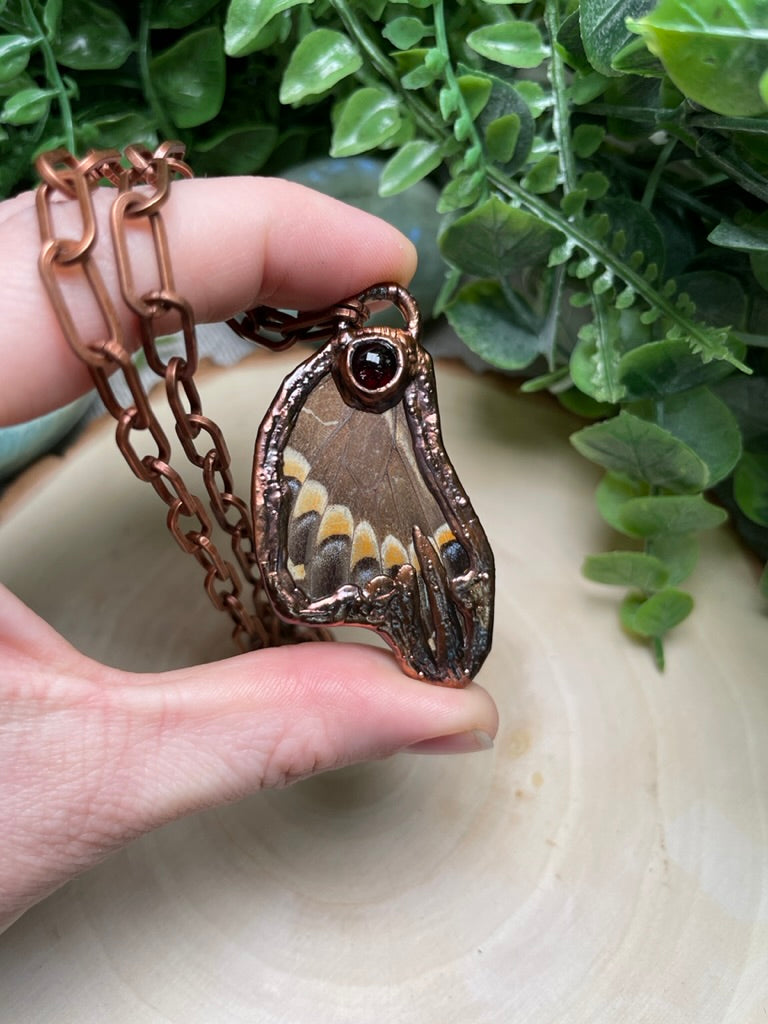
(235, 243)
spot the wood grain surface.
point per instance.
(607, 862)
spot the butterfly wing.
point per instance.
(355, 492)
(359, 518)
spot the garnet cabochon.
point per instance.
(373, 365)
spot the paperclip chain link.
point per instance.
(64, 177)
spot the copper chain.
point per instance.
(65, 177)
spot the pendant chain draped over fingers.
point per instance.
(356, 514)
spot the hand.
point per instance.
(92, 757)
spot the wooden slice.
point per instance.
(607, 862)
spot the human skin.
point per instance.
(92, 757)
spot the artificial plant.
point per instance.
(603, 172)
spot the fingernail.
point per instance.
(458, 743)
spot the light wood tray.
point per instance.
(607, 862)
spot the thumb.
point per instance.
(94, 757)
(270, 718)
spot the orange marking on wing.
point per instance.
(336, 522)
(295, 465)
(392, 552)
(443, 535)
(312, 497)
(364, 544)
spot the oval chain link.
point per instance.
(63, 177)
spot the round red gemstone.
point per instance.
(373, 365)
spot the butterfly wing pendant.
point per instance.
(359, 517)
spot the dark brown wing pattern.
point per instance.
(356, 492)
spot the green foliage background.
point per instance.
(603, 172)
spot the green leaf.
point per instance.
(741, 237)
(705, 423)
(604, 31)
(462, 127)
(583, 268)
(587, 139)
(586, 88)
(714, 52)
(516, 44)
(572, 204)
(238, 149)
(561, 254)
(626, 569)
(543, 176)
(462, 191)
(662, 368)
(322, 59)
(533, 95)
(613, 492)
(117, 130)
(584, 406)
(637, 59)
(568, 42)
(678, 551)
(91, 36)
(485, 322)
(419, 67)
(420, 77)
(190, 77)
(412, 162)
(405, 133)
(246, 19)
(405, 32)
(508, 111)
(659, 613)
(179, 13)
(630, 445)
(638, 227)
(496, 238)
(750, 486)
(544, 381)
(501, 137)
(595, 358)
(629, 606)
(475, 91)
(364, 121)
(14, 56)
(26, 106)
(595, 184)
(448, 101)
(52, 12)
(669, 513)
